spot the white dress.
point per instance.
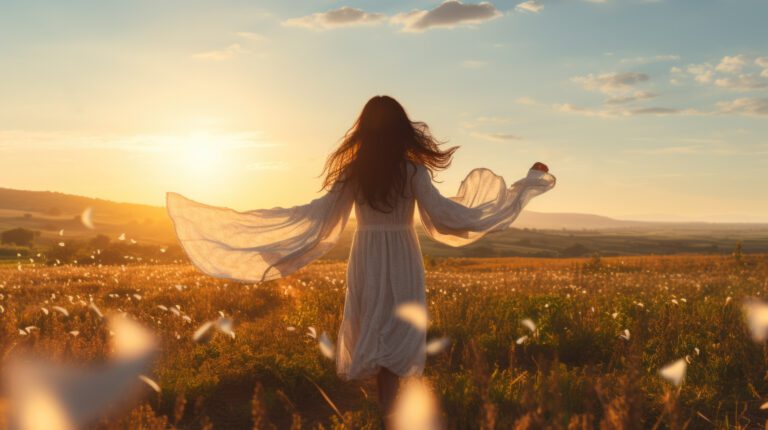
(385, 263)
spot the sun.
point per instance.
(202, 152)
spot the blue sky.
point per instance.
(643, 109)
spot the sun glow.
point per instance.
(203, 152)
(209, 165)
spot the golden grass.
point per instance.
(576, 373)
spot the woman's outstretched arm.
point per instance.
(483, 204)
(259, 245)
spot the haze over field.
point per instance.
(534, 233)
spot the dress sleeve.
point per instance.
(483, 204)
(259, 245)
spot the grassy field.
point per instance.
(576, 372)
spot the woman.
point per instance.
(384, 166)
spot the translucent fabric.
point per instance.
(483, 204)
(385, 265)
(259, 245)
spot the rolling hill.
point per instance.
(535, 233)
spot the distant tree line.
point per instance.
(20, 243)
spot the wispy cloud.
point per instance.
(745, 106)
(669, 150)
(611, 83)
(636, 96)
(701, 73)
(744, 82)
(571, 108)
(611, 1)
(617, 112)
(731, 64)
(451, 13)
(619, 87)
(147, 143)
(267, 166)
(762, 62)
(651, 59)
(497, 137)
(483, 121)
(533, 6)
(474, 64)
(742, 106)
(527, 101)
(656, 111)
(736, 72)
(250, 36)
(702, 147)
(221, 54)
(342, 17)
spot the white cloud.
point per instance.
(636, 96)
(221, 54)
(742, 82)
(656, 111)
(732, 64)
(745, 106)
(735, 72)
(611, 83)
(533, 6)
(570, 108)
(702, 73)
(342, 17)
(449, 14)
(617, 112)
(763, 62)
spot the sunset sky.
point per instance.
(643, 109)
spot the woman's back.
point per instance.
(399, 216)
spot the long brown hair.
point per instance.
(374, 152)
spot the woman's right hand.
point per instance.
(540, 166)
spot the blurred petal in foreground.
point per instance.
(756, 314)
(416, 407)
(414, 313)
(50, 396)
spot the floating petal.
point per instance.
(87, 218)
(674, 372)
(529, 324)
(326, 346)
(436, 346)
(414, 313)
(152, 384)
